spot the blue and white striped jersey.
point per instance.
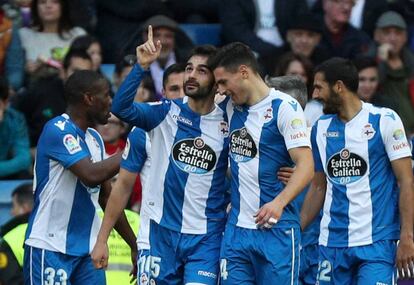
(137, 159)
(260, 137)
(64, 217)
(188, 157)
(361, 203)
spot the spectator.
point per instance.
(14, 140)
(12, 233)
(112, 134)
(173, 50)
(339, 37)
(119, 21)
(50, 35)
(294, 64)
(304, 36)
(11, 52)
(44, 99)
(368, 79)
(263, 26)
(396, 66)
(122, 69)
(92, 46)
(364, 13)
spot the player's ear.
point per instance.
(244, 71)
(88, 98)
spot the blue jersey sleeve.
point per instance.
(315, 149)
(143, 115)
(135, 152)
(63, 145)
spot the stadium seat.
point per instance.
(202, 34)
(6, 188)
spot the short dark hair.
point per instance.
(4, 88)
(127, 61)
(75, 53)
(362, 63)
(233, 55)
(203, 50)
(83, 42)
(337, 68)
(81, 82)
(173, 68)
(24, 194)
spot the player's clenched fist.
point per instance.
(149, 51)
(100, 255)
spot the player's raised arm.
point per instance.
(122, 104)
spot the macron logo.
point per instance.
(207, 274)
(60, 125)
(294, 105)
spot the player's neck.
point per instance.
(351, 106)
(201, 106)
(78, 116)
(258, 92)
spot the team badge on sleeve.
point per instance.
(71, 144)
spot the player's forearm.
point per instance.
(314, 200)
(105, 169)
(113, 208)
(122, 103)
(406, 209)
(124, 229)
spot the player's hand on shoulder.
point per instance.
(149, 51)
(405, 258)
(99, 255)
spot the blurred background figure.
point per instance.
(47, 40)
(339, 37)
(92, 46)
(368, 74)
(295, 64)
(396, 66)
(12, 236)
(45, 99)
(14, 140)
(260, 24)
(112, 134)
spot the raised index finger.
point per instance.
(150, 33)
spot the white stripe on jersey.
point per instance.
(160, 149)
(46, 219)
(249, 187)
(359, 193)
(193, 210)
(326, 218)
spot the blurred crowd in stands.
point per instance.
(42, 42)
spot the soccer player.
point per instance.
(295, 87)
(70, 177)
(186, 194)
(136, 159)
(363, 179)
(267, 131)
